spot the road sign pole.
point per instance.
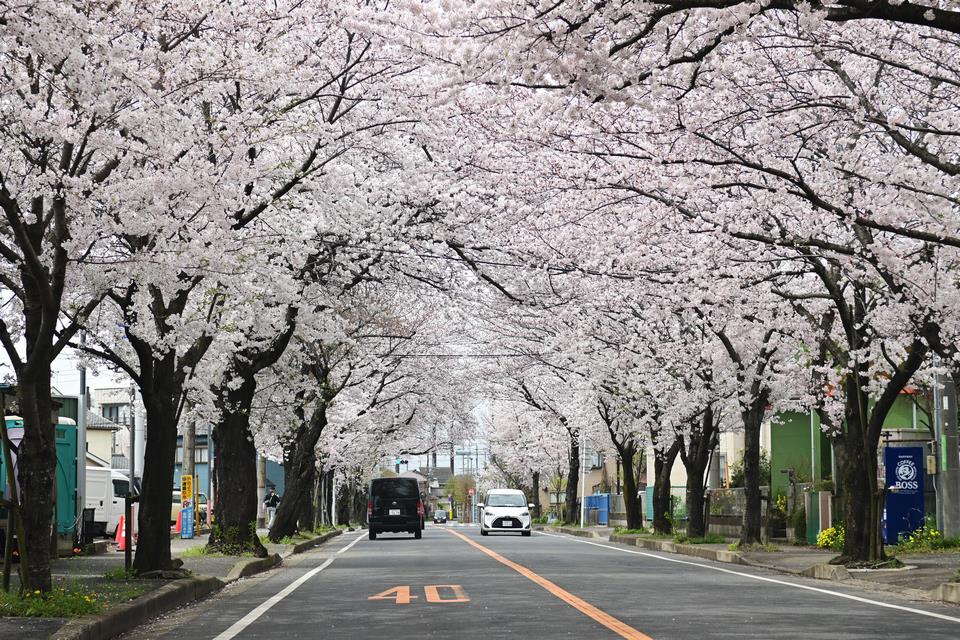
(583, 477)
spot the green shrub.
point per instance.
(780, 503)
(540, 520)
(831, 538)
(825, 484)
(926, 538)
(736, 471)
(798, 520)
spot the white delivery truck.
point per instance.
(105, 491)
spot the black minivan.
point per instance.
(394, 505)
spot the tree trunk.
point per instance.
(695, 459)
(573, 479)
(343, 503)
(36, 469)
(631, 501)
(662, 496)
(857, 465)
(262, 490)
(360, 503)
(234, 530)
(307, 517)
(859, 442)
(328, 489)
(752, 514)
(299, 468)
(536, 494)
(159, 458)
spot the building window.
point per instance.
(199, 454)
(596, 460)
(113, 412)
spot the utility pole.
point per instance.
(583, 477)
(188, 468)
(261, 490)
(82, 440)
(133, 442)
(950, 464)
(938, 450)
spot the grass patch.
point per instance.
(121, 573)
(71, 600)
(710, 538)
(196, 552)
(769, 548)
(956, 576)
(299, 536)
(326, 528)
(203, 552)
(630, 532)
(660, 536)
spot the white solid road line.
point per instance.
(828, 592)
(248, 619)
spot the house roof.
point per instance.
(96, 461)
(96, 422)
(440, 474)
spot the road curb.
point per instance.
(827, 572)
(306, 545)
(250, 566)
(572, 531)
(947, 592)
(124, 617)
(666, 546)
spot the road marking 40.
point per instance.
(401, 594)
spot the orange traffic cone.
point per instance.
(122, 534)
(176, 527)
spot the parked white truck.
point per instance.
(105, 491)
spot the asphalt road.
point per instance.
(456, 584)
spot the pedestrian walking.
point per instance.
(271, 502)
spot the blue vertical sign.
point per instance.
(186, 521)
(903, 511)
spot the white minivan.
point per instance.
(505, 510)
(105, 491)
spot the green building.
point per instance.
(798, 443)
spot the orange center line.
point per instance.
(620, 628)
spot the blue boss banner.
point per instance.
(903, 511)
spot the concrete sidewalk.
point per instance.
(926, 576)
(210, 573)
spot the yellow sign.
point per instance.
(186, 488)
